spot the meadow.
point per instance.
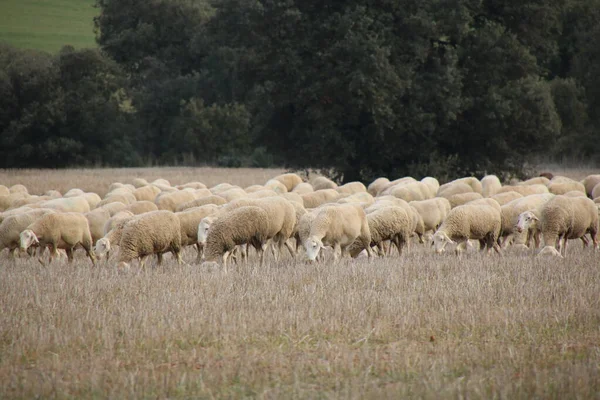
(420, 326)
(48, 24)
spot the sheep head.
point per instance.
(313, 245)
(440, 240)
(525, 220)
(28, 239)
(102, 247)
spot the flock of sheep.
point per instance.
(286, 214)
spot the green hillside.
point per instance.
(47, 24)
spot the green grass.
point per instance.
(47, 24)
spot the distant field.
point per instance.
(47, 24)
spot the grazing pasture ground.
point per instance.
(420, 326)
(48, 24)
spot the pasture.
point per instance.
(420, 326)
(47, 25)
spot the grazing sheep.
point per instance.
(155, 232)
(388, 223)
(295, 197)
(255, 188)
(242, 226)
(490, 185)
(479, 222)
(276, 186)
(486, 202)
(303, 188)
(112, 234)
(74, 192)
(564, 187)
(454, 188)
(139, 182)
(510, 213)
(18, 188)
(351, 188)
(290, 180)
(6, 201)
(378, 184)
(338, 227)
(524, 190)
(15, 211)
(588, 182)
(360, 197)
(146, 193)
(191, 185)
(221, 187)
(189, 221)
(321, 182)
(28, 201)
(212, 199)
(76, 204)
(92, 198)
(575, 193)
(170, 201)
(596, 191)
(320, 197)
(506, 197)
(125, 198)
(4, 191)
(470, 181)
(59, 231)
(405, 180)
(114, 220)
(96, 220)
(13, 225)
(538, 180)
(53, 193)
(412, 191)
(141, 207)
(261, 194)
(114, 208)
(161, 182)
(462, 198)
(432, 212)
(433, 185)
(233, 194)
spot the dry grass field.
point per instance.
(420, 326)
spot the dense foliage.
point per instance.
(363, 89)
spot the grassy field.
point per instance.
(47, 24)
(420, 326)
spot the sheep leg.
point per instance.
(225, 257)
(337, 250)
(398, 243)
(585, 241)
(290, 249)
(200, 250)
(69, 255)
(380, 249)
(90, 253)
(159, 256)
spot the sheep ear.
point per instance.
(534, 217)
(448, 239)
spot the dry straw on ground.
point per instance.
(420, 326)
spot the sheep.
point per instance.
(156, 232)
(59, 231)
(433, 185)
(70, 204)
(319, 197)
(295, 197)
(321, 182)
(560, 179)
(74, 192)
(462, 198)
(303, 188)
(405, 180)
(262, 194)
(170, 201)
(564, 187)
(432, 212)
(565, 218)
(351, 188)
(96, 220)
(12, 226)
(92, 198)
(413, 191)
(114, 208)
(388, 223)
(161, 182)
(360, 197)
(524, 190)
(575, 193)
(480, 222)
(212, 199)
(53, 193)
(139, 182)
(538, 180)
(490, 185)
(588, 182)
(510, 213)
(18, 188)
(15, 211)
(118, 198)
(147, 193)
(596, 191)
(112, 234)
(417, 224)
(114, 220)
(189, 221)
(233, 194)
(191, 185)
(486, 202)
(290, 180)
(221, 187)
(4, 191)
(6, 201)
(276, 186)
(375, 186)
(338, 227)
(241, 226)
(506, 197)
(470, 181)
(455, 188)
(140, 207)
(254, 188)
(31, 200)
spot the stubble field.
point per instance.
(420, 326)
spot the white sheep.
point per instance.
(74, 192)
(506, 197)
(59, 231)
(97, 219)
(303, 188)
(351, 188)
(321, 182)
(538, 180)
(290, 180)
(234, 193)
(432, 212)
(189, 221)
(511, 211)
(212, 199)
(7, 201)
(388, 223)
(77, 204)
(589, 182)
(125, 198)
(479, 222)
(141, 207)
(463, 198)
(170, 201)
(375, 186)
(564, 187)
(490, 185)
(320, 197)
(276, 186)
(18, 188)
(12, 226)
(114, 208)
(156, 232)
(242, 226)
(470, 181)
(147, 193)
(139, 182)
(524, 190)
(4, 191)
(338, 227)
(448, 190)
(433, 184)
(191, 185)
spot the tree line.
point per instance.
(360, 89)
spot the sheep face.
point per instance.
(102, 247)
(203, 228)
(440, 240)
(28, 239)
(550, 251)
(313, 245)
(525, 220)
